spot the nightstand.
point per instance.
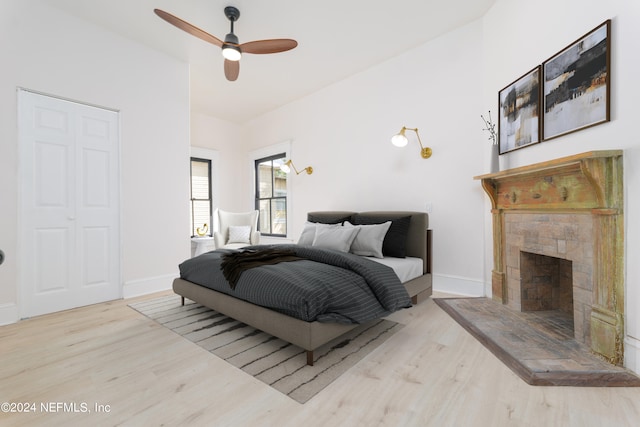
(202, 244)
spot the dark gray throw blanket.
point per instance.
(234, 263)
(325, 286)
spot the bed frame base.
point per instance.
(309, 352)
(307, 335)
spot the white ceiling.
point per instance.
(336, 39)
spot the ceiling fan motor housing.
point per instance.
(231, 39)
(232, 14)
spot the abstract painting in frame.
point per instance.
(519, 115)
(576, 87)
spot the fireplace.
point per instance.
(558, 244)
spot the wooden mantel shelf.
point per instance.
(591, 180)
(551, 164)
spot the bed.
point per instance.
(309, 335)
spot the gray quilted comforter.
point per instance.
(327, 286)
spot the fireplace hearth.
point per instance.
(558, 243)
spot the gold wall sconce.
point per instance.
(401, 140)
(286, 168)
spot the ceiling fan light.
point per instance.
(232, 53)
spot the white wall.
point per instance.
(48, 51)
(519, 35)
(344, 132)
(228, 139)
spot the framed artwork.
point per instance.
(519, 115)
(576, 86)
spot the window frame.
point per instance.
(192, 200)
(212, 157)
(273, 197)
(272, 150)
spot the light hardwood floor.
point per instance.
(431, 373)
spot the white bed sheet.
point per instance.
(405, 268)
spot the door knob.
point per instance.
(1, 256)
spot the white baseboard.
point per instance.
(136, 288)
(632, 354)
(458, 285)
(9, 313)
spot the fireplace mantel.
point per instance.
(591, 180)
(590, 184)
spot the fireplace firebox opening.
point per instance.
(546, 284)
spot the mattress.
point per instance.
(405, 268)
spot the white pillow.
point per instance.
(336, 238)
(309, 232)
(239, 234)
(368, 241)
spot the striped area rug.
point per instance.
(275, 362)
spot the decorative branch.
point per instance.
(491, 128)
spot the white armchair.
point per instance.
(236, 230)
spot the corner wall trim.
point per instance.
(632, 354)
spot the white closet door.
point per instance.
(69, 167)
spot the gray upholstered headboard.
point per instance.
(418, 236)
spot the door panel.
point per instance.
(95, 249)
(51, 261)
(95, 192)
(50, 169)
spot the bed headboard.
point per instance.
(418, 235)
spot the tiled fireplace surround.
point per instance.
(561, 236)
(570, 209)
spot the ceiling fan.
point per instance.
(232, 50)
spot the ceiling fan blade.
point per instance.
(268, 46)
(185, 26)
(231, 70)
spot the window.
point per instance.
(201, 195)
(271, 195)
